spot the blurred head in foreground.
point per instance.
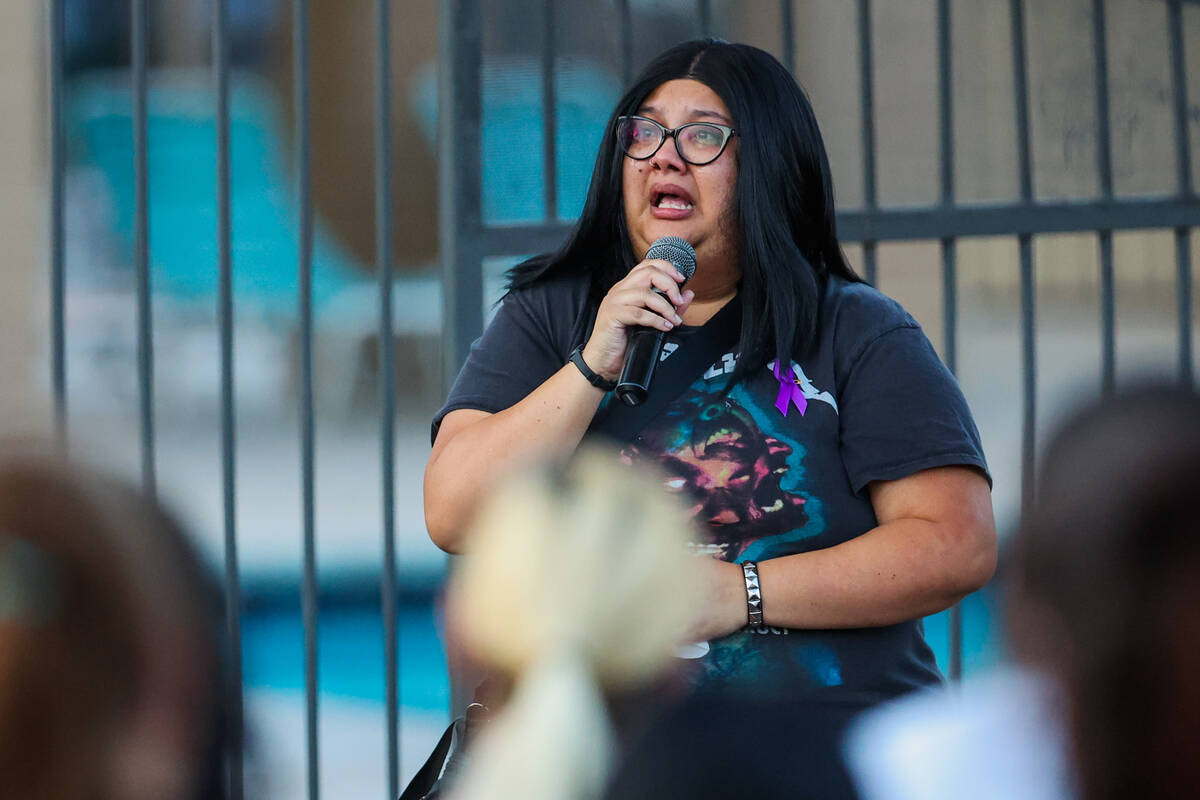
(1106, 591)
(577, 584)
(110, 679)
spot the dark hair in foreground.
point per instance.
(784, 197)
(1106, 590)
(112, 667)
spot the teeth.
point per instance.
(671, 202)
(778, 504)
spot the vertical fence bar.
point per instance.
(141, 253)
(1183, 162)
(1104, 170)
(233, 595)
(1025, 240)
(787, 14)
(950, 326)
(387, 395)
(549, 113)
(58, 167)
(1183, 289)
(626, 22)
(949, 249)
(946, 171)
(866, 71)
(308, 592)
(460, 183)
(1029, 362)
(1179, 90)
(1108, 316)
(460, 179)
(704, 13)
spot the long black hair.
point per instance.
(784, 200)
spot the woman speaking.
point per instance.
(827, 455)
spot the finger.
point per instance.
(688, 297)
(667, 267)
(661, 305)
(665, 280)
(649, 298)
(646, 318)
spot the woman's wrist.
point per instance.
(599, 363)
(732, 597)
(754, 598)
(595, 379)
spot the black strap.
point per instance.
(428, 774)
(465, 730)
(592, 377)
(672, 377)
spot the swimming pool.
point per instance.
(350, 658)
(350, 649)
(352, 732)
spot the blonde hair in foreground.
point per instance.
(575, 581)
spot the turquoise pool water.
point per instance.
(349, 654)
(350, 650)
(983, 640)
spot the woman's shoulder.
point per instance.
(556, 307)
(850, 307)
(552, 293)
(855, 315)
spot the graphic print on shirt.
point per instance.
(741, 473)
(730, 473)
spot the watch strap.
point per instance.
(592, 377)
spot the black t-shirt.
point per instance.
(868, 400)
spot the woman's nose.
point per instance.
(668, 156)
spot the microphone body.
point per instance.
(645, 344)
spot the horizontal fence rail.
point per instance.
(924, 224)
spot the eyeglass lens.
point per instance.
(698, 142)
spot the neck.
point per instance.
(711, 296)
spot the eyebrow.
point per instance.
(696, 112)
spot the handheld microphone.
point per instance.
(645, 344)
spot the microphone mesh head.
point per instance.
(678, 251)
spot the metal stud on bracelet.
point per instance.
(754, 603)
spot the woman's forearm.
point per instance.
(899, 571)
(935, 543)
(473, 448)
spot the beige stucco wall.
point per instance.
(24, 406)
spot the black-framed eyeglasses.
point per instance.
(698, 143)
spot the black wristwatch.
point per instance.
(592, 378)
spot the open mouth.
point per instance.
(664, 200)
(672, 197)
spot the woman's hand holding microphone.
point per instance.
(649, 296)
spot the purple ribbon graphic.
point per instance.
(789, 392)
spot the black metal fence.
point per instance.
(467, 239)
